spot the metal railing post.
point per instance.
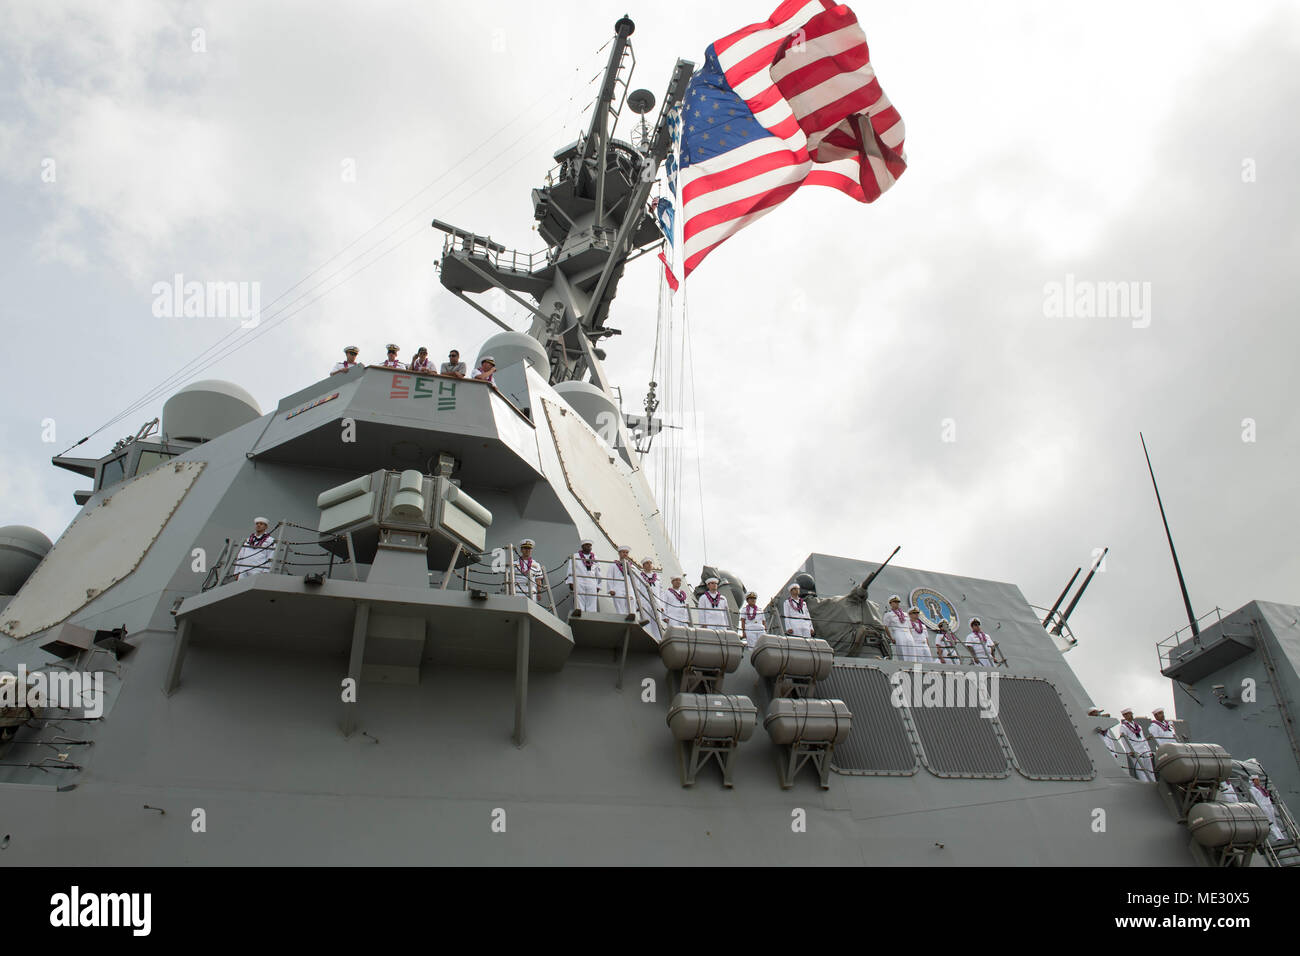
(510, 571)
(628, 597)
(550, 595)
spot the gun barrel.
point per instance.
(872, 576)
(1082, 587)
(1064, 592)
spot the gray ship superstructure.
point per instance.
(387, 683)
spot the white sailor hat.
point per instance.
(351, 348)
(913, 610)
(487, 358)
(678, 576)
(527, 543)
(623, 547)
(893, 598)
(1158, 710)
(976, 620)
(794, 586)
(710, 580)
(392, 348)
(752, 594)
(586, 541)
(1126, 710)
(261, 521)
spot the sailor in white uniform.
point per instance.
(676, 606)
(945, 645)
(920, 640)
(798, 619)
(349, 360)
(979, 644)
(1160, 731)
(1259, 793)
(255, 553)
(583, 579)
(899, 631)
(1138, 745)
(649, 596)
(751, 620)
(712, 607)
(393, 361)
(1228, 793)
(618, 576)
(528, 572)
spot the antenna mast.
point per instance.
(1182, 585)
(593, 215)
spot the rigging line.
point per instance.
(278, 314)
(468, 156)
(659, 319)
(184, 374)
(680, 453)
(164, 384)
(695, 424)
(275, 314)
(577, 88)
(267, 327)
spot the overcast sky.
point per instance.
(866, 376)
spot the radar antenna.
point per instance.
(593, 215)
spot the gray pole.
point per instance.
(1182, 585)
(1066, 591)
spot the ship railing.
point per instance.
(214, 575)
(1133, 762)
(499, 258)
(959, 653)
(291, 553)
(625, 585)
(1178, 646)
(1286, 823)
(531, 581)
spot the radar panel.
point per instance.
(957, 742)
(103, 545)
(602, 490)
(1044, 741)
(878, 744)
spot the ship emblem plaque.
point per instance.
(934, 608)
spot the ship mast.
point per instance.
(593, 215)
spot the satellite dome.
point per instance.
(807, 585)
(21, 549)
(509, 348)
(594, 407)
(204, 410)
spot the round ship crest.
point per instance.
(934, 608)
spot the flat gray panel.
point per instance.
(878, 742)
(1043, 739)
(958, 742)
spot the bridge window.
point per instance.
(149, 459)
(112, 471)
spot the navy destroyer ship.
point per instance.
(382, 675)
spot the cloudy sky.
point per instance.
(865, 376)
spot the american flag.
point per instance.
(778, 104)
